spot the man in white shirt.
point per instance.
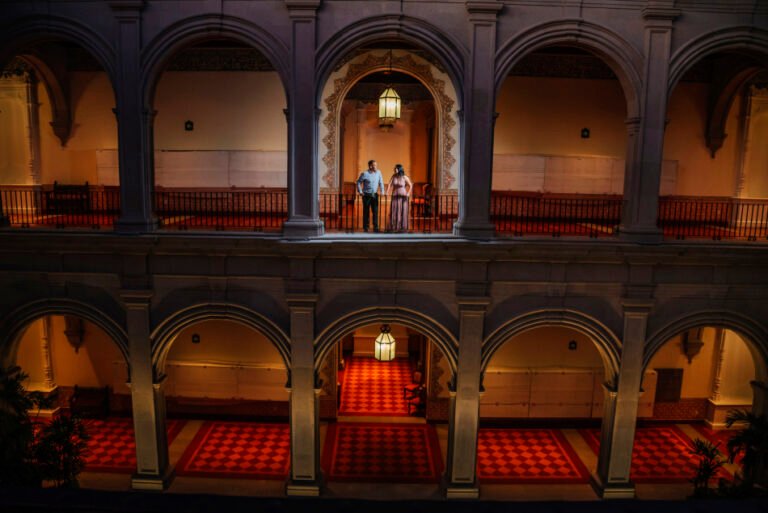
(368, 185)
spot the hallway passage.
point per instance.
(373, 388)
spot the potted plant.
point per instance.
(750, 444)
(58, 450)
(710, 463)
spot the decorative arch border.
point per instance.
(625, 61)
(448, 50)
(444, 339)
(366, 64)
(756, 335)
(17, 321)
(607, 343)
(165, 332)
(169, 41)
(738, 38)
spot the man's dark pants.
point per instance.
(371, 206)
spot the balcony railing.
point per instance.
(520, 213)
(265, 210)
(713, 218)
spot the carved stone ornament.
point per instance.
(371, 62)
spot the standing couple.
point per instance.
(400, 186)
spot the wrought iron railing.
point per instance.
(518, 214)
(713, 218)
(265, 210)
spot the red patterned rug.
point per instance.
(392, 453)
(112, 446)
(527, 456)
(238, 450)
(372, 387)
(660, 454)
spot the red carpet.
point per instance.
(393, 453)
(112, 447)
(660, 454)
(238, 450)
(372, 387)
(527, 456)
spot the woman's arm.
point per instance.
(410, 186)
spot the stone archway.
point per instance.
(434, 79)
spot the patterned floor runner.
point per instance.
(238, 450)
(393, 453)
(660, 454)
(372, 387)
(112, 447)
(527, 456)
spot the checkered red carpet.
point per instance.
(527, 456)
(372, 387)
(395, 453)
(112, 447)
(660, 454)
(238, 450)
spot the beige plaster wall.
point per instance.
(224, 341)
(547, 347)
(697, 375)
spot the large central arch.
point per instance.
(444, 339)
(607, 343)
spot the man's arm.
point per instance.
(381, 182)
(359, 181)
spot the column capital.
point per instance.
(136, 298)
(632, 305)
(302, 300)
(658, 13)
(302, 8)
(483, 10)
(127, 9)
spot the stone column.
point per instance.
(33, 128)
(304, 415)
(45, 349)
(134, 123)
(644, 159)
(461, 478)
(620, 411)
(152, 469)
(760, 400)
(303, 201)
(479, 115)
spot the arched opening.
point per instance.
(559, 144)
(714, 180)
(693, 379)
(58, 139)
(220, 139)
(83, 370)
(544, 390)
(383, 419)
(225, 381)
(423, 139)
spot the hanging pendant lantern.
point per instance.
(384, 346)
(389, 104)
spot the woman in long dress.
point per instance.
(399, 188)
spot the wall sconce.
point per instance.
(74, 330)
(573, 345)
(189, 125)
(585, 133)
(195, 338)
(691, 343)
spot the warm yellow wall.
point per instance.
(29, 355)
(545, 116)
(94, 127)
(547, 347)
(756, 156)
(98, 362)
(231, 111)
(226, 342)
(350, 167)
(684, 141)
(697, 375)
(419, 143)
(14, 146)
(737, 370)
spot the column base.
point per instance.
(642, 235)
(154, 483)
(124, 225)
(299, 489)
(303, 229)
(613, 490)
(474, 231)
(458, 492)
